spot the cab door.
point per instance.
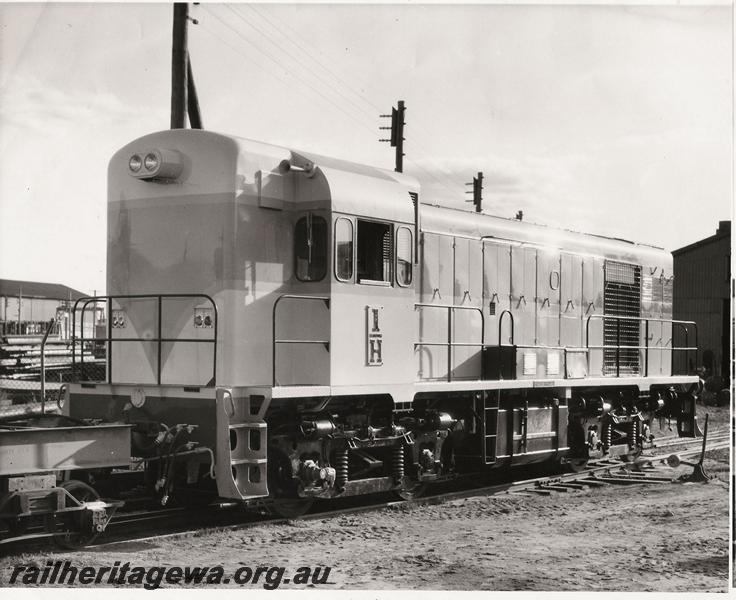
(372, 303)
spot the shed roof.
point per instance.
(38, 289)
(723, 232)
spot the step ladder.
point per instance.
(241, 461)
(490, 427)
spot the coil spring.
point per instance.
(397, 462)
(634, 433)
(607, 436)
(341, 468)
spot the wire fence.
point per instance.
(30, 370)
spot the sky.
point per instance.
(614, 120)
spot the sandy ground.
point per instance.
(663, 538)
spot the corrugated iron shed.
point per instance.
(36, 289)
(702, 293)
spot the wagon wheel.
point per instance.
(75, 536)
(16, 526)
(285, 500)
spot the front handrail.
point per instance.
(449, 344)
(326, 343)
(618, 347)
(50, 326)
(158, 340)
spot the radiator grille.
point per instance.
(621, 297)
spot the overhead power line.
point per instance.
(293, 38)
(284, 67)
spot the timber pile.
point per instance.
(20, 358)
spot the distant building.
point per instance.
(702, 293)
(26, 307)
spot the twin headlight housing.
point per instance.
(157, 163)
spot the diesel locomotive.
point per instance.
(286, 327)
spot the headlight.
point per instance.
(151, 162)
(135, 163)
(157, 164)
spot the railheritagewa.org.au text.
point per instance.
(152, 577)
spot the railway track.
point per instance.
(721, 433)
(648, 469)
(147, 525)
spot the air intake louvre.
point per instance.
(622, 297)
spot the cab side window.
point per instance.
(310, 248)
(404, 258)
(343, 249)
(374, 258)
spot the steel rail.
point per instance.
(213, 519)
(598, 466)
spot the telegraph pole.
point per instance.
(397, 134)
(179, 63)
(195, 118)
(477, 191)
(184, 101)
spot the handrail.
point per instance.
(618, 347)
(450, 343)
(500, 323)
(326, 343)
(50, 326)
(159, 340)
(81, 327)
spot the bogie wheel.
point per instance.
(285, 500)
(578, 447)
(632, 455)
(291, 508)
(411, 490)
(74, 536)
(577, 465)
